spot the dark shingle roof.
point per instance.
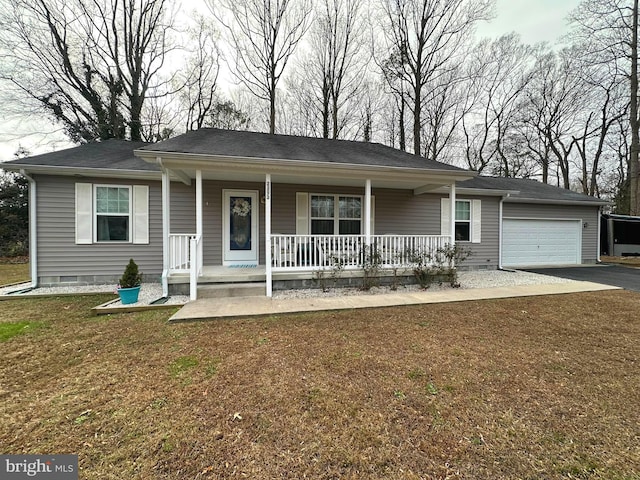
(109, 154)
(231, 143)
(529, 189)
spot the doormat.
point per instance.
(243, 266)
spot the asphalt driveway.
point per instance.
(608, 274)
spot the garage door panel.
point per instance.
(527, 242)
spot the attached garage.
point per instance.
(529, 242)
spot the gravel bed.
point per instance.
(471, 279)
(148, 293)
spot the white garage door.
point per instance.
(540, 242)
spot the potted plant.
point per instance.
(129, 284)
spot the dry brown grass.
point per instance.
(13, 271)
(534, 388)
(632, 261)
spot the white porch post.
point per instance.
(199, 217)
(367, 212)
(166, 230)
(267, 233)
(452, 213)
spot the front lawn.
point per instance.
(12, 271)
(535, 388)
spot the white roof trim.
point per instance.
(201, 160)
(85, 172)
(548, 201)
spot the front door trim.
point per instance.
(241, 251)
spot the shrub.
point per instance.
(131, 276)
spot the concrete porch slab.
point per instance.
(211, 308)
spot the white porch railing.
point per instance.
(184, 257)
(312, 252)
(179, 258)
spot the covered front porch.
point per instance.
(301, 257)
(257, 220)
(288, 256)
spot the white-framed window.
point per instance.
(112, 213)
(463, 221)
(335, 214)
(468, 219)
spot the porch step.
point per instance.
(226, 290)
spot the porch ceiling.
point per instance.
(419, 181)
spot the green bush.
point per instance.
(131, 277)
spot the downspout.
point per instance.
(599, 232)
(267, 235)
(166, 185)
(367, 212)
(502, 199)
(33, 233)
(452, 214)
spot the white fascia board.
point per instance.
(480, 192)
(303, 167)
(544, 201)
(86, 172)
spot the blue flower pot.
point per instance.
(129, 295)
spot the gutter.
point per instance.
(33, 233)
(583, 203)
(83, 171)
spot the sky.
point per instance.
(535, 20)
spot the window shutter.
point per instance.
(140, 214)
(445, 222)
(84, 213)
(302, 213)
(476, 220)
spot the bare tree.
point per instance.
(342, 30)
(332, 69)
(200, 78)
(604, 107)
(90, 63)
(498, 73)
(426, 39)
(553, 101)
(609, 29)
(392, 71)
(444, 107)
(263, 35)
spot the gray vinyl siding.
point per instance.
(61, 260)
(183, 208)
(588, 214)
(398, 212)
(212, 217)
(486, 253)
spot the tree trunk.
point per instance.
(634, 169)
(334, 113)
(272, 108)
(401, 130)
(325, 109)
(417, 114)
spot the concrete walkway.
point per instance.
(210, 308)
